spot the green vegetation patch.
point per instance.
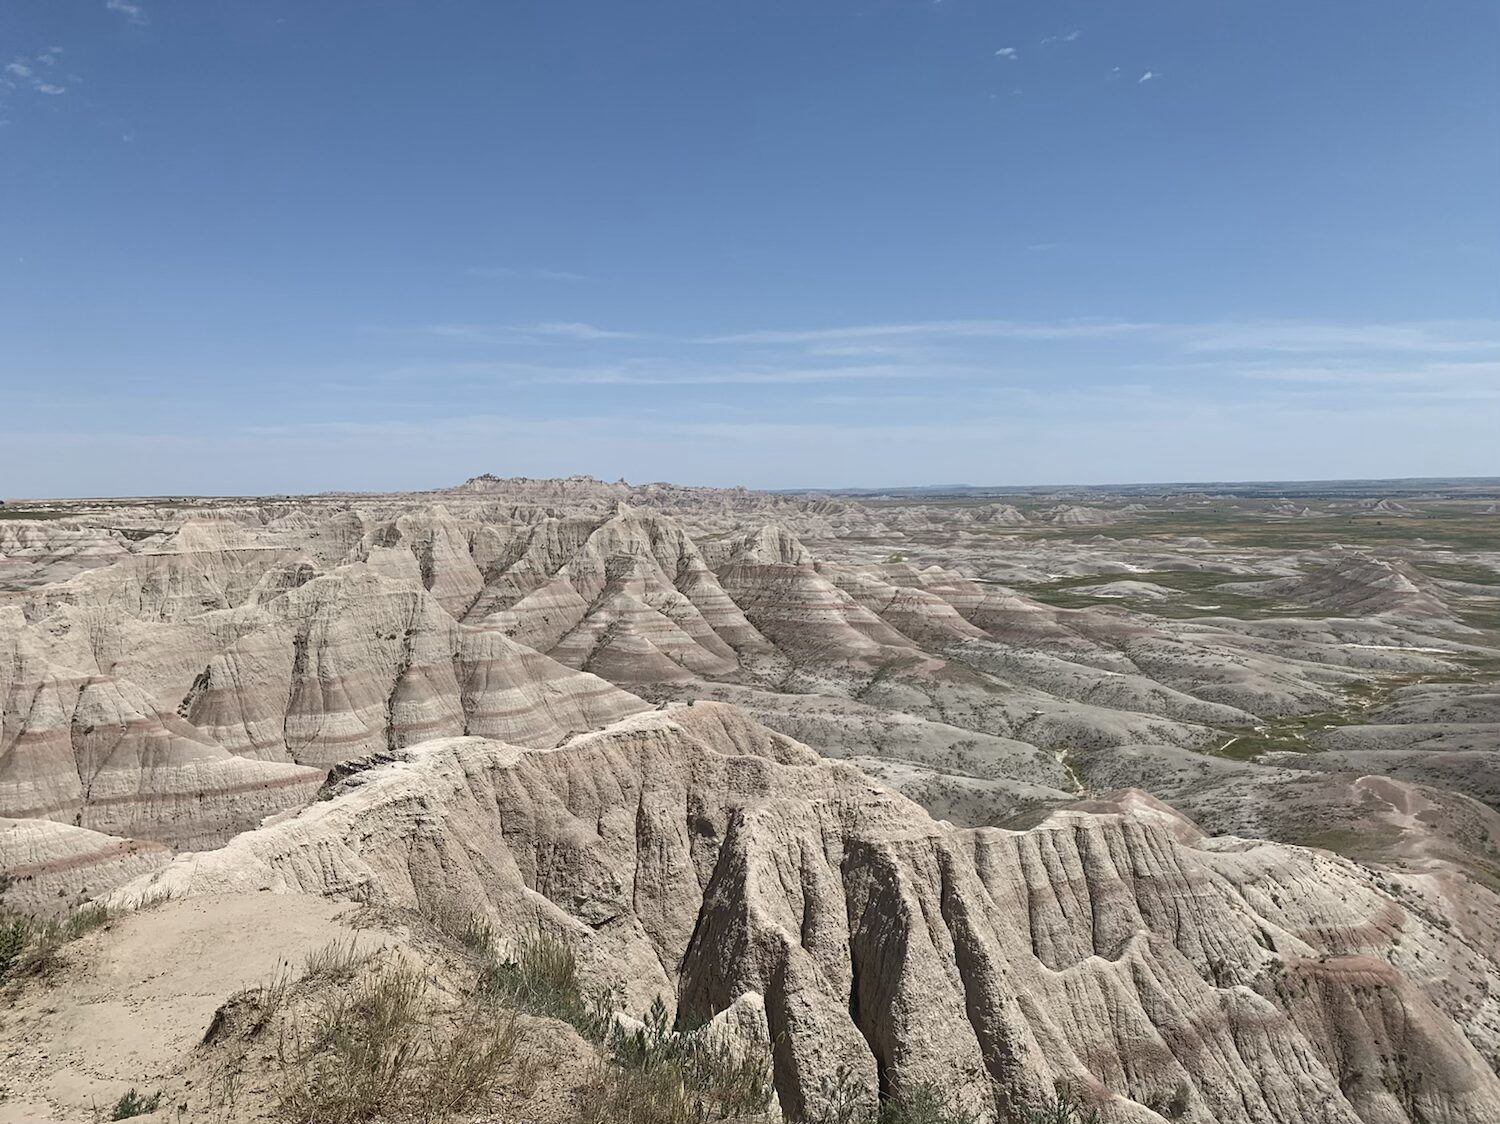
(31, 946)
(1202, 588)
(1284, 734)
(656, 1073)
(1470, 572)
(133, 1104)
(1370, 843)
(1456, 528)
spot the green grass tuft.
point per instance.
(133, 1104)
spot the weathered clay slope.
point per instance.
(98, 753)
(694, 852)
(354, 662)
(33, 553)
(51, 867)
(629, 596)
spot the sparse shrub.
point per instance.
(372, 1052)
(29, 945)
(842, 1099)
(133, 1104)
(471, 930)
(653, 1074)
(336, 962)
(271, 997)
(13, 936)
(478, 936)
(699, 1072)
(462, 1070)
(846, 1100)
(542, 979)
(1063, 1108)
(924, 1104)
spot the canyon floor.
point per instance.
(562, 800)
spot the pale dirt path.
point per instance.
(135, 998)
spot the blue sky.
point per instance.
(286, 246)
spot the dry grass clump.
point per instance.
(845, 1099)
(133, 1104)
(1064, 1108)
(471, 930)
(29, 946)
(542, 979)
(658, 1075)
(651, 1074)
(335, 962)
(383, 1049)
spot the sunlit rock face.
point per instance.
(693, 853)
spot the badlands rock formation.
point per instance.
(693, 853)
(1206, 830)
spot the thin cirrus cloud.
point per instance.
(1292, 359)
(571, 329)
(547, 329)
(37, 73)
(674, 372)
(750, 376)
(1437, 337)
(1149, 76)
(1007, 53)
(1003, 329)
(133, 12)
(1479, 375)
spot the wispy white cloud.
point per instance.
(571, 329)
(1270, 336)
(1068, 38)
(32, 73)
(473, 333)
(1478, 375)
(131, 11)
(1149, 76)
(500, 333)
(750, 376)
(867, 350)
(998, 329)
(1308, 337)
(1007, 53)
(1434, 337)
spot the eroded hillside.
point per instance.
(1159, 802)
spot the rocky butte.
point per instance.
(564, 800)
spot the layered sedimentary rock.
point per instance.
(36, 553)
(99, 753)
(694, 853)
(630, 594)
(1357, 584)
(354, 662)
(775, 580)
(202, 566)
(50, 867)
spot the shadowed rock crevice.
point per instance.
(876, 937)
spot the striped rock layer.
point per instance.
(694, 854)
